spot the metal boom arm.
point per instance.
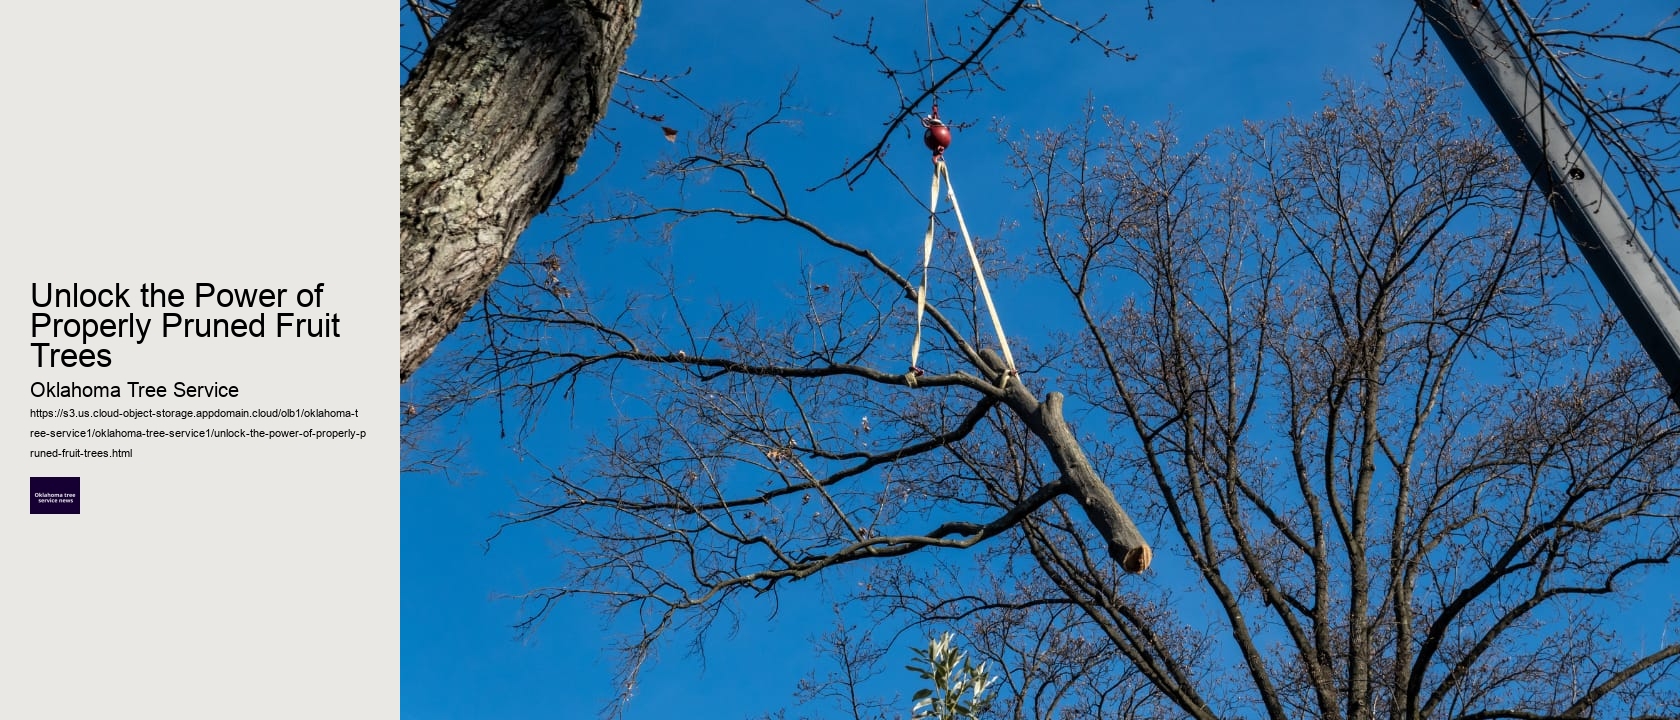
(1562, 170)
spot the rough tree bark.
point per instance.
(493, 119)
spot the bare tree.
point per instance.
(1397, 469)
(1288, 345)
(1381, 438)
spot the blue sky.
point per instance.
(1210, 64)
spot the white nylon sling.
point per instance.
(941, 171)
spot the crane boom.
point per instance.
(1561, 168)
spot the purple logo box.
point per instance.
(55, 496)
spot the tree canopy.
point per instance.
(1335, 367)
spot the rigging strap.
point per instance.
(940, 171)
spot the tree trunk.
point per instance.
(493, 119)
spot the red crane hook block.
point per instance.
(938, 134)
